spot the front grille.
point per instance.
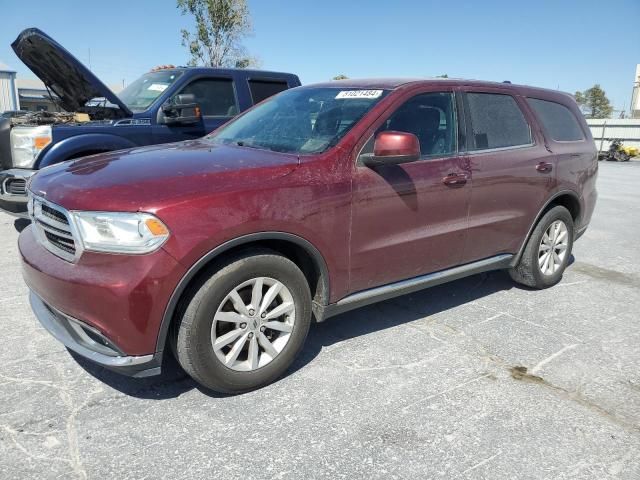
(54, 229)
(15, 186)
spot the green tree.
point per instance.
(594, 102)
(443, 76)
(340, 77)
(220, 27)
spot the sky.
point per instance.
(568, 45)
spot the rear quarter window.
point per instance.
(557, 120)
(496, 121)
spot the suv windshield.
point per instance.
(142, 93)
(302, 120)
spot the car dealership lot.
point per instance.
(427, 385)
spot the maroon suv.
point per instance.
(319, 200)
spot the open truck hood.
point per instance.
(62, 73)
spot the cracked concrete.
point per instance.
(475, 379)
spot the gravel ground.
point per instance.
(431, 385)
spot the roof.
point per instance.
(383, 83)
(36, 84)
(33, 97)
(6, 68)
(633, 122)
(30, 83)
(249, 71)
(393, 83)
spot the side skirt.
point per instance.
(403, 287)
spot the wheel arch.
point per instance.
(566, 198)
(297, 249)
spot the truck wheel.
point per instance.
(548, 250)
(246, 324)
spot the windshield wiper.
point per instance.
(243, 143)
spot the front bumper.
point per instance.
(89, 343)
(13, 191)
(117, 300)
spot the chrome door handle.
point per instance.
(455, 179)
(544, 167)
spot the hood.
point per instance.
(151, 178)
(62, 73)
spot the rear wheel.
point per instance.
(548, 250)
(246, 324)
(621, 156)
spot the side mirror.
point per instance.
(181, 110)
(392, 148)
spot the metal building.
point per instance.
(8, 91)
(34, 96)
(606, 129)
(635, 95)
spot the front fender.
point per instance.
(75, 146)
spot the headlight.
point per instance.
(120, 232)
(27, 143)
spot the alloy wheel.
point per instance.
(253, 324)
(553, 247)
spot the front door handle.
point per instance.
(544, 167)
(455, 179)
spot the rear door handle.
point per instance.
(544, 167)
(455, 179)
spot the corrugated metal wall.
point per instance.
(8, 95)
(607, 129)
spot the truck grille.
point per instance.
(15, 186)
(54, 229)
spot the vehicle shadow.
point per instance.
(171, 383)
(174, 381)
(20, 224)
(406, 308)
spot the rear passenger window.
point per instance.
(558, 121)
(216, 96)
(496, 122)
(261, 89)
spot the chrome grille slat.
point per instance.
(54, 229)
(60, 243)
(54, 214)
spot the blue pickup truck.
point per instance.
(168, 104)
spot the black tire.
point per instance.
(528, 271)
(192, 338)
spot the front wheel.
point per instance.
(246, 324)
(548, 250)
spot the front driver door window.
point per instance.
(218, 104)
(216, 96)
(406, 221)
(431, 118)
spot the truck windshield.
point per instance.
(143, 92)
(302, 120)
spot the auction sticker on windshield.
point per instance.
(359, 94)
(157, 87)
